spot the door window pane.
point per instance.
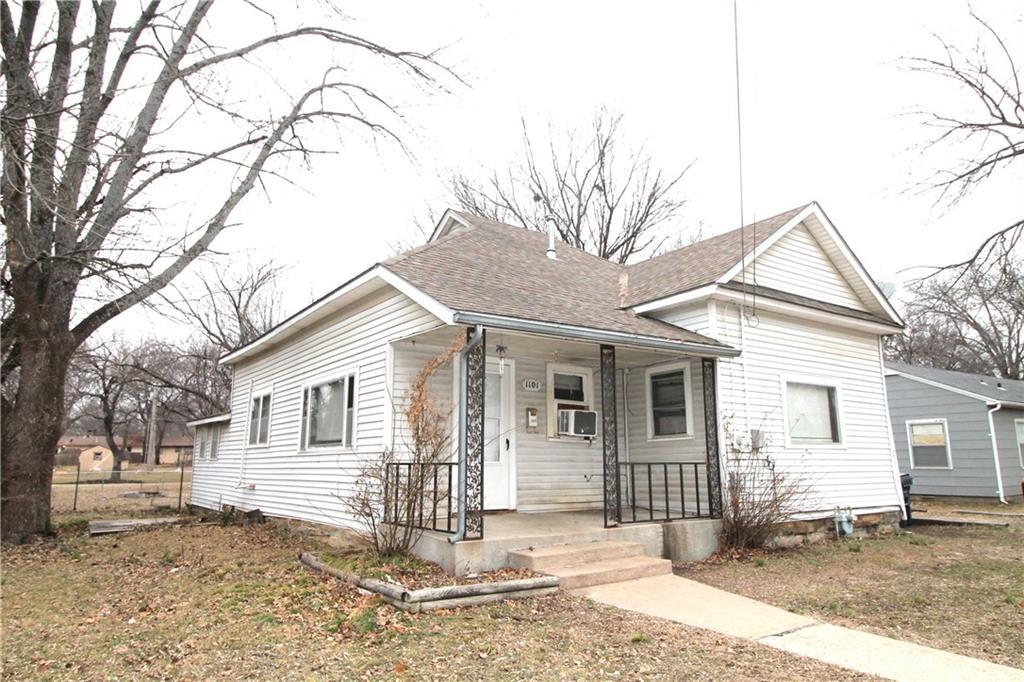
(493, 437)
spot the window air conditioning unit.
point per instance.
(577, 423)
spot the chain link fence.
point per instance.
(136, 488)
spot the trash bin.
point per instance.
(906, 480)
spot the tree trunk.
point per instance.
(31, 431)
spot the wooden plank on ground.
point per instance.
(106, 526)
(1017, 515)
(946, 521)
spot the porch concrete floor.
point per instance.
(508, 525)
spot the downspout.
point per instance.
(474, 341)
(995, 450)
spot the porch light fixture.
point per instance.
(501, 351)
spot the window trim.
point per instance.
(588, 393)
(1020, 443)
(945, 431)
(269, 395)
(666, 368)
(342, 374)
(813, 380)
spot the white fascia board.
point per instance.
(945, 387)
(377, 272)
(444, 224)
(805, 312)
(220, 418)
(676, 299)
(844, 248)
(576, 333)
(717, 292)
(429, 303)
(736, 269)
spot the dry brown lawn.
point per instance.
(203, 602)
(954, 588)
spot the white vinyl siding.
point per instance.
(797, 264)
(279, 478)
(858, 472)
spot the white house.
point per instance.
(585, 387)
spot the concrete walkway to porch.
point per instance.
(696, 604)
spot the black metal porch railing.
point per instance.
(421, 495)
(662, 491)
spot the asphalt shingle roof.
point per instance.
(992, 388)
(700, 263)
(498, 269)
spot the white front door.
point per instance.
(499, 436)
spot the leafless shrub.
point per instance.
(760, 497)
(392, 503)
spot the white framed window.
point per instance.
(928, 441)
(669, 401)
(328, 412)
(214, 440)
(570, 387)
(1019, 426)
(812, 412)
(259, 419)
(201, 443)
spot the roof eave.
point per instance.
(593, 335)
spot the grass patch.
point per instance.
(639, 638)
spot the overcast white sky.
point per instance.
(825, 104)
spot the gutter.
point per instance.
(475, 340)
(593, 335)
(995, 450)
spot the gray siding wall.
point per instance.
(1009, 454)
(973, 473)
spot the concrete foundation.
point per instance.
(691, 540)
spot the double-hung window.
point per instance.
(214, 440)
(929, 444)
(201, 438)
(328, 412)
(569, 388)
(668, 401)
(813, 413)
(259, 420)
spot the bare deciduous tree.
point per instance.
(991, 132)
(970, 320)
(606, 200)
(104, 116)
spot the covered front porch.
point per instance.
(649, 454)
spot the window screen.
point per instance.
(327, 412)
(813, 414)
(668, 403)
(928, 445)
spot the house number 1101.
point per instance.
(532, 385)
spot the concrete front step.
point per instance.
(542, 559)
(610, 571)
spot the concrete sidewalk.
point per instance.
(686, 601)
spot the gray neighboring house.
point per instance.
(957, 434)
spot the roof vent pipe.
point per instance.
(551, 237)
